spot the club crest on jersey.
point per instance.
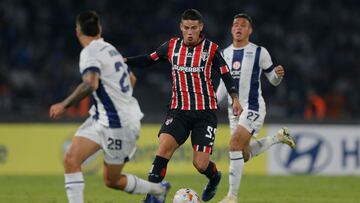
(204, 55)
(168, 121)
(236, 65)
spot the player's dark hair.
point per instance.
(192, 14)
(246, 16)
(89, 23)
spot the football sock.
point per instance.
(211, 170)
(158, 170)
(136, 185)
(74, 185)
(235, 172)
(261, 145)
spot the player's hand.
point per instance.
(279, 70)
(125, 60)
(237, 109)
(56, 110)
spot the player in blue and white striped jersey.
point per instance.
(246, 62)
(114, 124)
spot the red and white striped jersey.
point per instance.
(192, 70)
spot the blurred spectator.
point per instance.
(315, 107)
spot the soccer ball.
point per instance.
(186, 195)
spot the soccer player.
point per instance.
(247, 62)
(114, 123)
(194, 60)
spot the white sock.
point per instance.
(235, 172)
(259, 146)
(136, 185)
(74, 185)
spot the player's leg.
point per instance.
(238, 152)
(173, 133)
(202, 163)
(113, 178)
(81, 148)
(119, 145)
(202, 138)
(282, 136)
(247, 125)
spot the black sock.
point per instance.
(158, 171)
(211, 170)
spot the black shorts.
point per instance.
(202, 125)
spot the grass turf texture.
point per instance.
(34, 154)
(255, 189)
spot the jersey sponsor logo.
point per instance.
(189, 54)
(189, 69)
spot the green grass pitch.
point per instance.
(47, 188)
(254, 189)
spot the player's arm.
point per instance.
(221, 66)
(132, 79)
(148, 59)
(273, 73)
(90, 83)
(221, 92)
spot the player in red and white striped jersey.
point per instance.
(194, 60)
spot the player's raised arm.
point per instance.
(90, 83)
(148, 59)
(221, 66)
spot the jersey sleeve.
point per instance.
(89, 62)
(219, 63)
(266, 64)
(265, 61)
(149, 59)
(221, 92)
(161, 52)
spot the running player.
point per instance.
(247, 62)
(114, 123)
(194, 60)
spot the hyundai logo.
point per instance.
(311, 155)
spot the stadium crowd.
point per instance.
(317, 42)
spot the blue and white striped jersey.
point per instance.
(113, 103)
(246, 65)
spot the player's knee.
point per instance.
(235, 143)
(70, 162)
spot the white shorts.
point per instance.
(249, 119)
(118, 144)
